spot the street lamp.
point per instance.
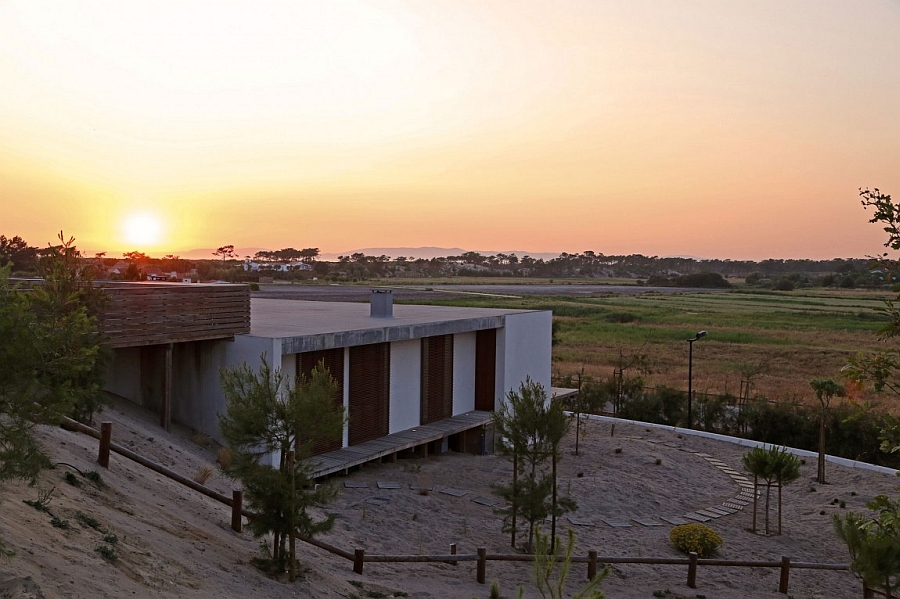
(699, 335)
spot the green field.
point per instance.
(789, 337)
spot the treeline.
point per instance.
(290, 263)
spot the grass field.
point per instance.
(788, 337)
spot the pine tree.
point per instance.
(530, 429)
(267, 417)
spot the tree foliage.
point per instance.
(874, 543)
(530, 429)
(268, 417)
(774, 466)
(50, 357)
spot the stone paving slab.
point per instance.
(454, 492)
(355, 484)
(388, 485)
(698, 517)
(739, 502)
(732, 506)
(703, 455)
(646, 522)
(487, 501)
(616, 523)
(719, 510)
(675, 520)
(580, 521)
(709, 513)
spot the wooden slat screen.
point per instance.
(138, 314)
(437, 378)
(369, 392)
(485, 369)
(334, 362)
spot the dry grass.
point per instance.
(203, 474)
(223, 459)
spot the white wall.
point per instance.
(406, 385)
(523, 350)
(198, 398)
(289, 368)
(463, 373)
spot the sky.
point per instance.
(712, 129)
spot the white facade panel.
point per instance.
(523, 350)
(406, 385)
(463, 373)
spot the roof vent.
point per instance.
(382, 305)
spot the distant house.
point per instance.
(400, 368)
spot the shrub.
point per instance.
(202, 475)
(695, 537)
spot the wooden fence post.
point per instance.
(692, 570)
(359, 555)
(592, 564)
(237, 504)
(785, 574)
(482, 565)
(453, 552)
(105, 440)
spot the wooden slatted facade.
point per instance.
(333, 360)
(137, 314)
(369, 392)
(437, 378)
(485, 369)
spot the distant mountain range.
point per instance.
(394, 252)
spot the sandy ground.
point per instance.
(173, 542)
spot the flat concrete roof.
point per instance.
(309, 326)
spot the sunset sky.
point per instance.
(695, 128)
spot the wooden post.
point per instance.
(692, 570)
(592, 564)
(453, 552)
(105, 440)
(359, 556)
(237, 503)
(785, 574)
(482, 565)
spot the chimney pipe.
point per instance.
(382, 304)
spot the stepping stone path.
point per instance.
(726, 508)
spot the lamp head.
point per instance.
(701, 334)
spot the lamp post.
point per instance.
(699, 335)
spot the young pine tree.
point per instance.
(267, 417)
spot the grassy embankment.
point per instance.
(791, 337)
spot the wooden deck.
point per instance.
(347, 457)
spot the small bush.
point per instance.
(110, 538)
(107, 553)
(87, 520)
(95, 478)
(695, 537)
(58, 523)
(72, 479)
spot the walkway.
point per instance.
(354, 455)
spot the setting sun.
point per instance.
(142, 229)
